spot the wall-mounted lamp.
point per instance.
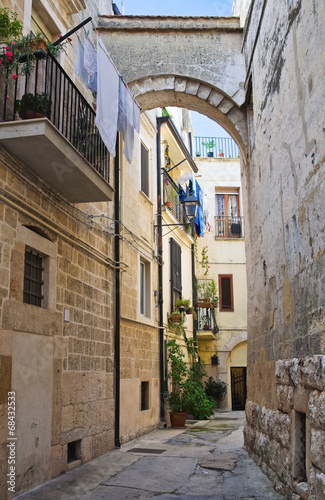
(214, 360)
(191, 205)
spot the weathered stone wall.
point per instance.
(285, 214)
(61, 371)
(272, 436)
(139, 332)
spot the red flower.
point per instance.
(14, 76)
(70, 39)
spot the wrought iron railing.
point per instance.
(48, 91)
(229, 227)
(171, 198)
(222, 147)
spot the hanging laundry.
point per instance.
(80, 65)
(107, 97)
(121, 121)
(198, 221)
(136, 116)
(128, 135)
(90, 63)
(125, 120)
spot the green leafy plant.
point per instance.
(41, 102)
(215, 389)
(187, 393)
(204, 322)
(183, 303)
(205, 260)
(10, 25)
(209, 144)
(207, 289)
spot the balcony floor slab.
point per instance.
(46, 152)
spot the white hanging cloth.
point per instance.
(90, 63)
(107, 97)
(80, 65)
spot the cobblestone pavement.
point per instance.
(206, 460)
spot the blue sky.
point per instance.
(202, 126)
(177, 7)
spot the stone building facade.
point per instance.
(284, 184)
(220, 180)
(56, 356)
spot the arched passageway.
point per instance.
(194, 63)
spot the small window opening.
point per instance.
(144, 396)
(299, 451)
(33, 278)
(74, 451)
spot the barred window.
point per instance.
(33, 278)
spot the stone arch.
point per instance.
(229, 346)
(190, 93)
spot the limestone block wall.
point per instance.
(139, 371)
(58, 359)
(283, 184)
(288, 442)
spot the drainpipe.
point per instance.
(160, 281)
(117, 276)
(194, 290)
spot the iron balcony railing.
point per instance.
(229, 227)
(48, 91)
(222, 147)
(171, 198)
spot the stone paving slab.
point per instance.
(163, 474)
(192, 467)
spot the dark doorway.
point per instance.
(238, 387)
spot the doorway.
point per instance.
(238, 387)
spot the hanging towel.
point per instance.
(136, 116)
(90, 63)
(121, 122)
(80, 66)
(107, 97)
(128, 136)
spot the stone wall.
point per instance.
(283, 185)
(289, 442)
(58, 358)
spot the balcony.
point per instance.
(221, 147)
(207, 323)
(229, 227)
(171, 198)
(52, 132)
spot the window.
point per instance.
(228, 220)
(33, 278)
(74, 451)
(226, 292)
(144, 170)
(145, 288)
(144, 404)
(175, 273)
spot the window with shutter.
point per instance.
(226, 300)
(176, 273)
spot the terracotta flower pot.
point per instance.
(178, 419)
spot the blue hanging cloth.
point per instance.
(198, 221)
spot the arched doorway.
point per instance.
(236, 376)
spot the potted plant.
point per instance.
(209, 145)
(221, 154)
(183, 304)
(40, 103)
(216, 390)
(174, 317)
(176, 398)
(198, 153)
(205, 322)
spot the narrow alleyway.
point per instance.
(204, 461)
